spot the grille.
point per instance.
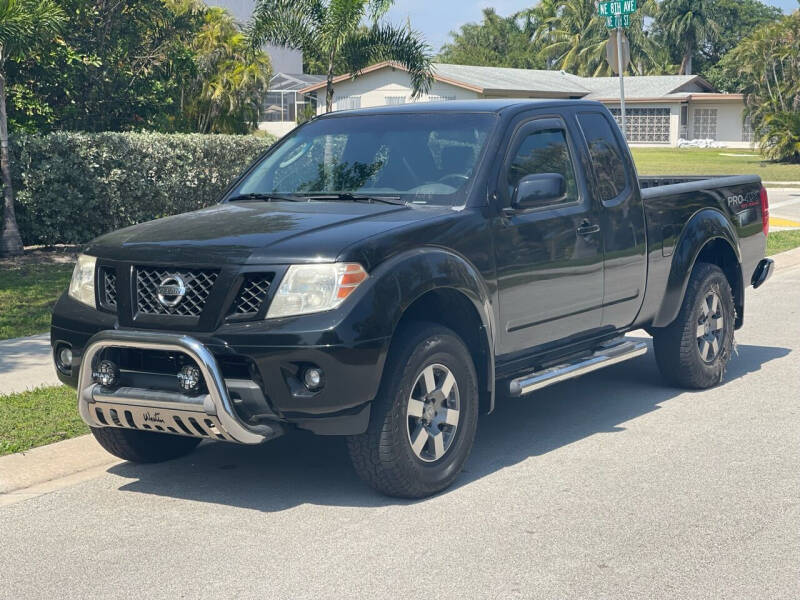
(198, 287)
(252, 295)
(108, 297)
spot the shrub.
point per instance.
(72, 187)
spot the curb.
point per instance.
(786, 260)
(48, 468)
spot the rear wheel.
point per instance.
(694, 350)
(143, 446)
(424, 418)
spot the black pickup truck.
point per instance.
(385, 274)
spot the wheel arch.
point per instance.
(440, 286)
(708, 237)
(453, 309)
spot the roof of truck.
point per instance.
(490, 105)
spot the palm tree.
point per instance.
(333, 29)
(232, 77)
(687, 24)
(779, 136)
(23, 24)
(574, 38)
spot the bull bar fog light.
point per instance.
(190, 379)
(106, 373)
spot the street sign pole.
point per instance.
(621, 79)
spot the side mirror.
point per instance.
(540, 189)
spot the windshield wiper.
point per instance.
(358, 198)
(265, 197)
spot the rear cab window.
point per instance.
(606, 155)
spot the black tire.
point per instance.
(143, 446)
(383, 456)
(684, 358)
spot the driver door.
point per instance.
(549, 258)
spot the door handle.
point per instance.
(587, 228)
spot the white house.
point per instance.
(659, 109)
(284, 102)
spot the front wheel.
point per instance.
(693, 351)
(143, 446)
(424, 418)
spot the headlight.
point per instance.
(82, 285)
(315, 288)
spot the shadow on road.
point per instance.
(301, 468)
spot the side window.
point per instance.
(605, 153)
(543, 151)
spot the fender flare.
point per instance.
(398, 282)
(703, 227)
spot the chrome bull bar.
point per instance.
(208, 415)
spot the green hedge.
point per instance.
(72, 187)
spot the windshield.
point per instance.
(417, 158)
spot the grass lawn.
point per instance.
(781, 241)
(27, 295)
(41, 416)
(704, 161)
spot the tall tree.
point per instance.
(496, 41)
(766, 66)
(231, 77)
(687, 25)
(23, 25)
(118, 65)
(334, 29)
(572, 37)
(736, 19)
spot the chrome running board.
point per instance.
(610, 353)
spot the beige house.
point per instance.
(660, 109)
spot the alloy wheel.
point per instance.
(433, 413)
(710, 327)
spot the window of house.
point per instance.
(645, 125)
(684, 121)
(394, 100)
(748, 135)
(433, 98)
(704, 125)
(543, 151)
(606, 155)
(348, 102)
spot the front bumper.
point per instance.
(260, 360)
(210, 415)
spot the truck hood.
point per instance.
(255, 232)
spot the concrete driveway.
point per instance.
(610, 486)
(25, 363)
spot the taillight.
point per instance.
(764, 210)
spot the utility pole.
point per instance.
(618, 16)
(621, 77)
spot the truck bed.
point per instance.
(657, 181)
(672, 202)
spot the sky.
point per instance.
(436, 18)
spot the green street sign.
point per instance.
(612, 23)
(616, 7)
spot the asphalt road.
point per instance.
(785, 203)
(610, 486)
